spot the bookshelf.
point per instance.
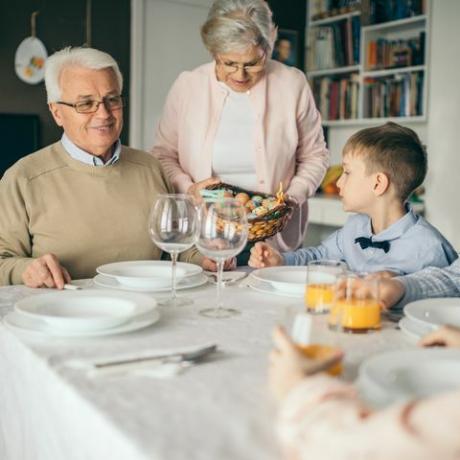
(367, 61)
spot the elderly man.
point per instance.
(85, 200)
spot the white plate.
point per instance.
(290, 280)
(267, 288)
(435, 312)
(402, 375)
(148, 274)
(413, 329)
(186, 283)
(30, 60)
(82, 311)
(25, 324)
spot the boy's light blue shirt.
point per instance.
(414, 244)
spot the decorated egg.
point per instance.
(257, 199)
(250, 205)
(243, 198)
(260, 211)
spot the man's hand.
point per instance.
(211, 266)
(445, 336)
(46, 271)
(194, 189)
(263, 255)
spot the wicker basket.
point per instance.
(262, 227)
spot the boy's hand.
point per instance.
(446, 336)
(383, 275)
(263, 255)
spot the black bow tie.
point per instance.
(367, 242)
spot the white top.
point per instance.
(233, 155)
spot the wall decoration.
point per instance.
(286, 47)
(30, 56)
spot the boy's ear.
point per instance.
(381, 183)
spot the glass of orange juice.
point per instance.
(320, 285)
(356, 307)
(310, 340)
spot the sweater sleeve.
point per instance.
(15, 240)
(312, 156)
(431, 282)
(166, 147)
(324, 418)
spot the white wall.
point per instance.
(166, 41)
(443, 197)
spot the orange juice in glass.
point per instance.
(357, 307)
(320, 285)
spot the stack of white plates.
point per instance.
(148, 276)
(424, 316)
(285, 281)
(83, 313)
(402, 375)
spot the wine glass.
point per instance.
(173, 227)
(223, 234)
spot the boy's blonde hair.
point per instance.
(396, 151)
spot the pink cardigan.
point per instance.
(290, 146)
(322, 418)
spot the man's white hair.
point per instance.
(88, 58)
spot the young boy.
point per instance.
(382, 166)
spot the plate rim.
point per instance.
(432, 302)
(278, 292)
(256, 275)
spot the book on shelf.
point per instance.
(387, 54)
(398, 95)
(334, 45)
(380, 11)
(337, 97)
(322, 9)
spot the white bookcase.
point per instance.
(395, 30)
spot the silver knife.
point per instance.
(167, 357)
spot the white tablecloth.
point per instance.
(216, 410)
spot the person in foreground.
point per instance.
(85, 200)
(244, 118)
(382, 166)
(322, 418)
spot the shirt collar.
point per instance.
(397, 229)
(80, 155)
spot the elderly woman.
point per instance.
(244, 118)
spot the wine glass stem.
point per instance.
(174, 264)
(220, 271)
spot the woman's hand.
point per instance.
(211, 266)
(194, 189)
(289, 366)
(445, 336)
(263, 255)
(46, 271)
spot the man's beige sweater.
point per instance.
(85, 215)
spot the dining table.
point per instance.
(217, 409)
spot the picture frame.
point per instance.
(286, 48)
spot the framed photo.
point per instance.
(286, 47)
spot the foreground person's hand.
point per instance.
(289, 366)
(445, 336)
(211, 266)
(263, 255)
(46, 271)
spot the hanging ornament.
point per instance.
(30, 56)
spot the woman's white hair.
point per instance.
(88, 58)
(235, 25)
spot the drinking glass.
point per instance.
(223, 234)
(321, 282)
(357, 307)
(173, 227)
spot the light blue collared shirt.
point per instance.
(414, 244)
(78, 154)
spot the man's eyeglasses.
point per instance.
(91, 105)
(231, 67)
